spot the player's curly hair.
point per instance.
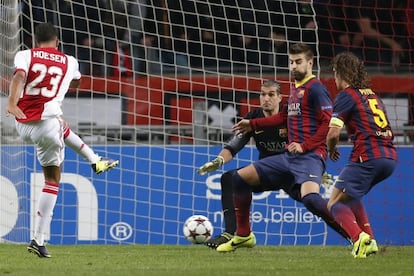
(351, 69)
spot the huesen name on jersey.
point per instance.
(49, 56)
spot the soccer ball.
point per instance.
(198, 229)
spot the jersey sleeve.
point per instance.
(75, 68)
(270, 121)
(22, 61)
(343, 106)
(238, 141)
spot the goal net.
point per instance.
(162, 84)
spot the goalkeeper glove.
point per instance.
(211, 166)
(327, 180)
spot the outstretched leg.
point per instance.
(318, 206)
(99, 164)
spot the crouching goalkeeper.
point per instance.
(268, 142)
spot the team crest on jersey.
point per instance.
(301, 93)
(283, 132)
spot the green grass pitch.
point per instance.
(200, 260)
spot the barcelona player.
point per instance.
(307, 114)
(373, 157)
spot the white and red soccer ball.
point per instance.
(198, 229)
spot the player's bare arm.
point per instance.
(75, 83)
(226, 154)
(332, 140)
(16, 86)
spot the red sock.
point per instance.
(242, 199)
(361, 216)
(242, 204)
(346, 219)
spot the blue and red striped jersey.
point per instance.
(367, 124)
(308, 112)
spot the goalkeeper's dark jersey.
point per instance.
(269, 141)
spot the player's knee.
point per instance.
(226, 179)
(249, 175)
(330, 205)
(294, 192)
(239, 185)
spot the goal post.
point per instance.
(162, 84)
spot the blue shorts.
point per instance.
(357, 179)
(289, 169)
(260, 188)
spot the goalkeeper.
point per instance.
(268, 142)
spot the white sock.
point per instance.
(47, 202)
(73, 141)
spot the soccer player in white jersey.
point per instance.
(42, 77)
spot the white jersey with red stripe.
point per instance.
(49, 73)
